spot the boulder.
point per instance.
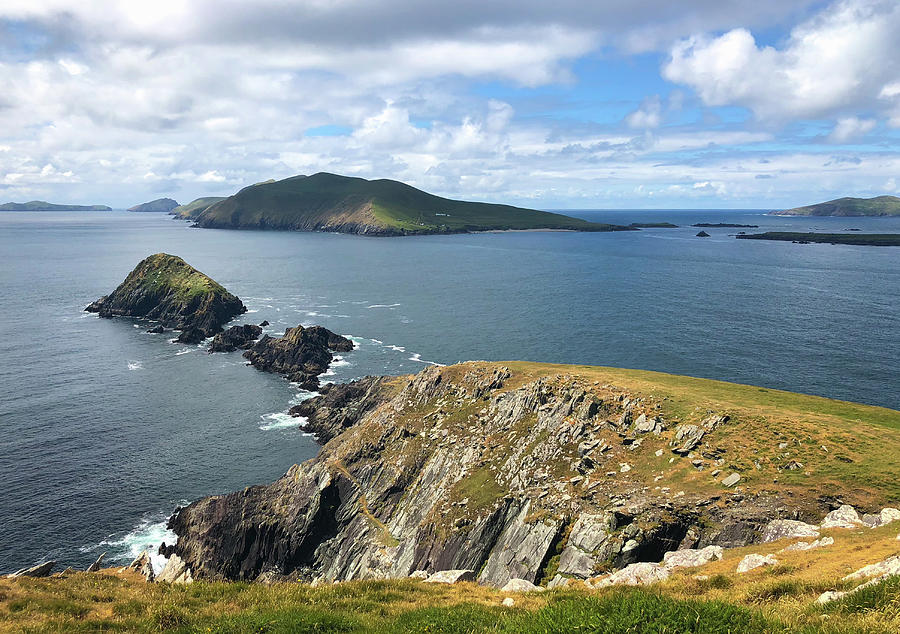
(689, 557)
(41, 570)
(686, 438)
(779, 529)
(175, 571)
(264, 323)
(235, 337)
(639, 574)
(751, 562)
(451, 576)
(843, 517)
(419, 574)
(559, 581)
(886, 516)
(94, 567)
(520, 585)
(508, 602)
(156, 330)
(731, 480)
(888, 567)
(648, 425)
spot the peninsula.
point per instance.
(194, 208)
(329, 202)
(167, 289)
(41, 205)
(848, 207)
(164, 205)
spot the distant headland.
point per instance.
(41, 205)
(847, 207)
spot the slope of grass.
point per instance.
(340, 203)
(195, 207)
(878, 206)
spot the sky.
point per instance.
(566, 104)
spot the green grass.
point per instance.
(163, 273)
(378, 207)
(878, 206)
(195, 207)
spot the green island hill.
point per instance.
(329, 202)
(849, 207)
(861, 239)
(194, 208)
(41, 205)
(160, 205)
(527, 497)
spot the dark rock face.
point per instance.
(302, 354)
(466, 467)
(339, 407)
(264, 323)
(156, 330)
(235, 337)
(702, 234)
(165, 288)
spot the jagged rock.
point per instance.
(686, 438)
(156, 330)
(264, 323)
(451, 576)
(588, 544)
(41, 570)
(886, 516)
(419, 574)
(689, 558)
(340, 407)
(520, 550)
(819, 543)
(780, 529)
(175, 571)
(520, 585)
(558, 581)
(639, 574)
(751, 562)
(165, 288)
(843, 517)
(890, 567)
(731, 480)
(648, 425)
(143, 565)
(94, 567)
(236, 337)
(302, 354)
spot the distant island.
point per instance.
(164, 205)
(863, 239)
(653, 225)
(194, 208)
(343, 204)
(878, 206)
(721, 225)
(41, 205)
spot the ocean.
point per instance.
(105, 429)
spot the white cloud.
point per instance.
(850, 128)
(647, 116)
(842, 59)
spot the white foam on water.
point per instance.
(184, 351)
(418, 359)
(338, 362)
(383, 306)
(135, 326)
(135, 365)
(303, 395)
(147, 535)
(376, 341)
(396, 348)
(255, 310)
(281, 420)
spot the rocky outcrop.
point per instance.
(95, 567)
(451, 576)
(470, 467)
(167, 289)
(236, 337)
(302, 354)
(40, 570)
(339, 407)
(175, 571)
(143, 566)
(843, 517)
(754, 561)
(779, 529)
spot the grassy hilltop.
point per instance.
(194, 208)
(328, 202)
(849, 207)
(41, 205)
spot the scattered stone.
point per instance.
(831, 595)
(451, 576)
(624, 467)
(41, 570)
(716, 473)
(888, 567)
(886, 516)
(750, 562)
(419, 574)
(731, 480)
(94, 567)
(520, 585)
(843, 517)
(819, 543)
(175, 571)
(779, 529)
(648, 425)
(508, 602)
(686, 438)
(689, 557)
(659, 452)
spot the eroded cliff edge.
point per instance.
(530, 471)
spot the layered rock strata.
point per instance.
(302, 354)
